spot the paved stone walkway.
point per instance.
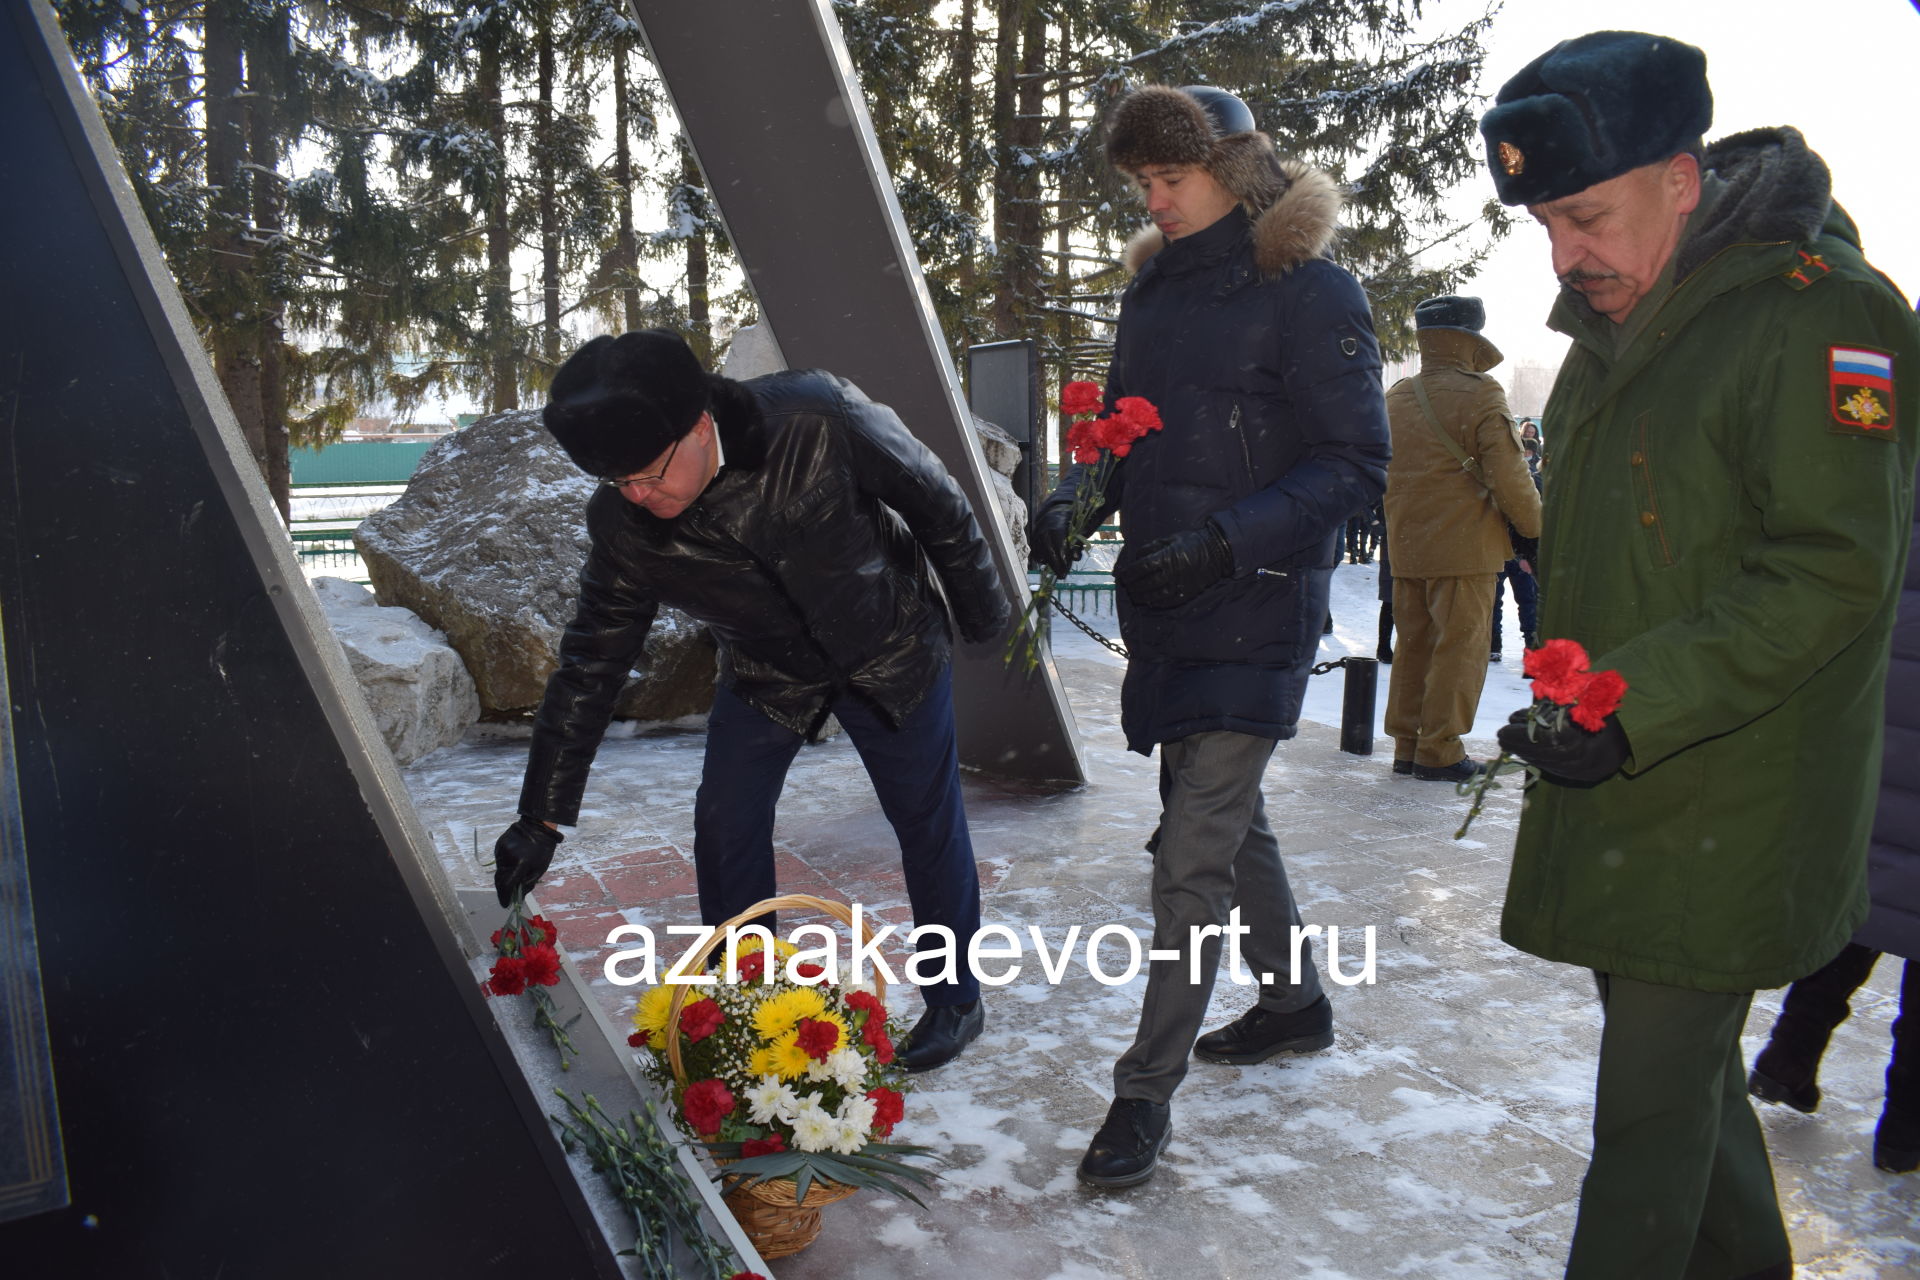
(1444, 1135)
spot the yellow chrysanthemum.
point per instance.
(650, 1015)
(777, 1014)
(783, 1059)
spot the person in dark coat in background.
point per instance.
(1786, 1070)
(1259, 354)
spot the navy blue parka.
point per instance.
(1259, 353)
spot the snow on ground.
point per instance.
(1442, 1138)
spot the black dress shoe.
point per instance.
(1127, 1148)
(1258, 1034)
(942, 1032)
(1465, 769)
(1804, 1098)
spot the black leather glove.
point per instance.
(520, 857)
(1570, 753)
(1175, 569)
(1047, 538)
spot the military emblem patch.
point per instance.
(1860, 388)
(1512, 160)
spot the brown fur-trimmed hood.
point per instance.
(1298, 223)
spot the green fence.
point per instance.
(358, 462)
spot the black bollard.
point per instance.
(1356, 707)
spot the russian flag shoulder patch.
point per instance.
(1860, 390)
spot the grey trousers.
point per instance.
(1213, 852)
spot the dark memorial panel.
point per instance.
(766, 92)
(271, 1058)
(32, 1167)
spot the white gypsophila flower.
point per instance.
(813, 1128)
(771, 1100)
(848, 1067)
(857, 1110)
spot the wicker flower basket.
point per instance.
(772, 1213)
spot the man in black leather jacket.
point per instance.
(1259, 353)
(805, 526)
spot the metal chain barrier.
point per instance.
(1053, 602)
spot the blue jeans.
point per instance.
(915, 771)
(1526, 598)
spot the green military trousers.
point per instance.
(1680, 1187)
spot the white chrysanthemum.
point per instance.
(857, 1111)
(813, 1128)
(848, 1067)
(771, 1100)
(848, 1137)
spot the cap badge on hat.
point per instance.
(1512, 160)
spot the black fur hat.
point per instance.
(1592, 108)
(619, 403)
(1201, 126)
(1450, 311)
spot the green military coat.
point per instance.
(1725, 524)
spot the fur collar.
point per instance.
(1297, 226)
(1776, 190)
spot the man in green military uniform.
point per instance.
(1727, 499)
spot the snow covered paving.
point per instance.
(1442, 1138)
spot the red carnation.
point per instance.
(808, 970)
(746, 1275)
(538, 926)
(817, 1038)
(1598, 699)
(888, 1107)
(875, 1034)
(751, 966)
(507, 978)
(541, 966)
(1138, 413)
(1080, 397)
(701, 1019)
(867, 1001)
(1082, 439)
(1559, 671)
(705, 1104)
(772, 1144)
(638, 1039)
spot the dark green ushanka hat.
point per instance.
(1592, 108)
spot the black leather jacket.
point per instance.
(810, 558)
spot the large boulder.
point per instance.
(419, 691)
(486, 546)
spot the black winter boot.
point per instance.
(1785, 1071)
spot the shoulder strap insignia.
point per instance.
(1811, 267)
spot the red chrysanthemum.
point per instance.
(705, 1104)
(1080, 397)
(817, 1038)
(888, 1107)
(1599, 699)
(772, 1144)
(1558, 669)
(507, 978)
(701, 1019)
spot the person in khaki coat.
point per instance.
(1457, 479)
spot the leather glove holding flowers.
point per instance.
(521, 856)
(1565, 751)
(1175, 569)
(1051, 536)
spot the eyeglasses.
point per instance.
(645, 482)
